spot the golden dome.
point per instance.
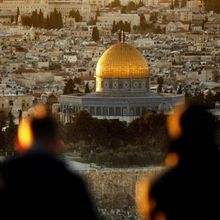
(122, 61)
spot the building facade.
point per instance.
(122, 89)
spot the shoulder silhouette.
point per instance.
(39, 182)
(190, 189)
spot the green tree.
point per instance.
(87, 90)
(69, 87)
(183, 3)
(172, 5)
(59, 20)
(10, 134)
(212, 5)
(153, 17)
(83, 128)
(210, 100)
(160, 82)
(95, 34)
(176, 3)
(40, 19)
(77, 80)
(34, 18)
(179, 89)
(115, 3)
(131, 6)
(72, 13)
(92, 21)
(17, 14)
(78, 17)
(2, 133)
(140, 4)
(142, 22)
(97, 14)
(114, 28)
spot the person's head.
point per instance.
(40, 129)
(196, 133)
(45, 133)
(198, 125)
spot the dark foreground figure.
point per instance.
(39, 185)
(191, 189)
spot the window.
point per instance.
(11, 103)
(92, 111)
(105, 111)
(98, 111)
(138, 111)
(111, 111)
(118, 111)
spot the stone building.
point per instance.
(122, 89)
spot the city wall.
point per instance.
(115, 188)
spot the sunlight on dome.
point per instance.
(122, 61)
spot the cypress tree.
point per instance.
(87, 90)
(95, 34)
(17, 15)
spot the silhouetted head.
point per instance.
(44, 129)
(198, 125)
(196, 133)
(39, 130)
(46, 134)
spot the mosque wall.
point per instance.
(115, 188)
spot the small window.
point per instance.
(11, 103)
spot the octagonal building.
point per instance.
(122, 89)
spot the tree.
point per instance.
(179, 89)
(212, 5)
(87, 90)
(92, 21)
(82, 127)
(131, 6)
(10, 133)
(40, 18)
(160, 82)
(172, 5)
(210, 100)
(17, 15)
(97, 14)
(59, 21)
(153, 17)
(78, 17)
(140, 4)
(3, 119)
(77, 80)
(114, 28)
(115, 3)
(176, 3)
(183, 3)
(142, 21)
(95, 34)
(72, 13)
(69, 87)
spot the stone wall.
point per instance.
(115, 188)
